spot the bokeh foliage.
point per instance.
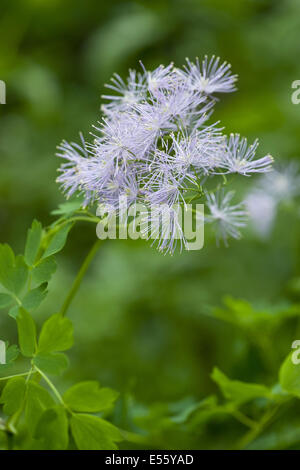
(149, 326)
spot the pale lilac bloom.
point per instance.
(210, 76)
(226, 218)
(122, 188)
(182, 104)
(154, 121)
(129, 93)
(154, 146)
(162, 78)
(240, 158)
(72, 172)
(164, 225)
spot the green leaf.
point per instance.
(51, 363)
(56, 334)
(26, 332)
(69, 207)
(289, 376)
(52, 429)
(89, 397)
(5, 300)
(192, 408)
(34, 298)
(13, 395)
(33, 242)
(3, 440)
(12, 352)
(38, 400)
(13, 270)
(237, 391)
(43, 270)
(19, 275)
(93, 433)
(58, 241)
(14, 311)
(7, 262)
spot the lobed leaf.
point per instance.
(38, 400)
(13, 395)
(93, 433)
(237, 391)
(52, 429)
(34, 297)
(33, 242)
(5, 300)
(51, 363)
(44, 270)
(26, 332)
(56, 334)
(89, 397)
(289, 376)
(58, 241)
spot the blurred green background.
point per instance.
(144, 322)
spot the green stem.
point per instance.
(245, 420)
(51, 385)
(15, 375)
(257, 430)
(79, 276)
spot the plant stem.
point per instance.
(15, 375)
(79, 276)
(245, 420)
(255, 432)
(53, 388)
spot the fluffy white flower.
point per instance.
(239, 157)
(226, 218)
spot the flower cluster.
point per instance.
(153, 145)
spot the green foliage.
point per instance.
(5, 300)
(56, 334)
(43, 414)
(12, 352)
(34, 405)
(34, 237)
(13, 271)
(13, 395)
(52, 429)
(89, 397)
(57, 241)
(38, 401)
(69, 207)
(26, 332)
(237, 391)
(93, 433)
(51, 363)
(289, 377)
(35, 297)
(44, 270)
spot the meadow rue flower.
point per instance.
(209, 76)
(131, 92)
(227, 218)
(153, 146)
(239, 157)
